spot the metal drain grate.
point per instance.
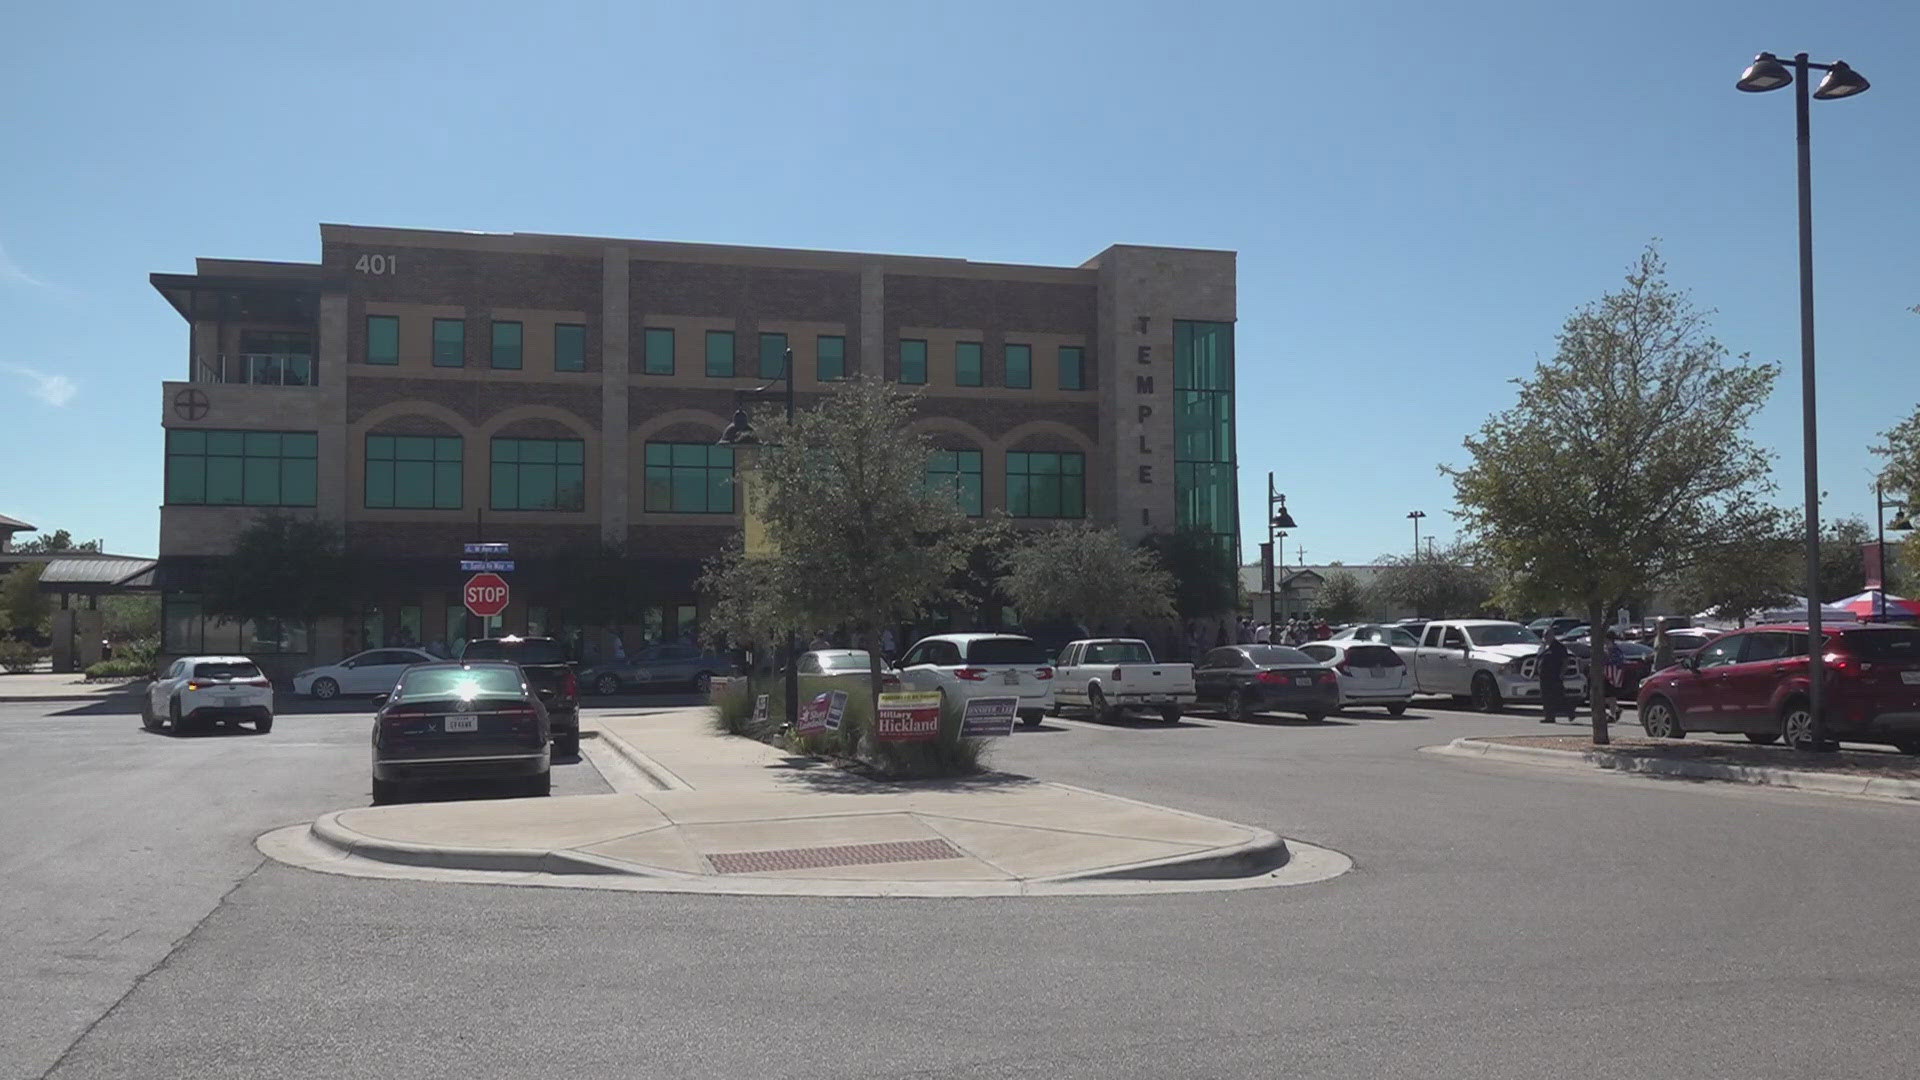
(815, 858)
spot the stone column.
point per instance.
(873, 330)
(615, 309)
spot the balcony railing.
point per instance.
(255, 369)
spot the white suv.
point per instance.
(199, 690)
(966, 666)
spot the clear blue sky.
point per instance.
(1419, 193)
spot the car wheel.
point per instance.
(1097, 704)
(1486, 694)
(1032, 717)
(1170, 714)
(1796, 726)
(606, 684)
(567, 745)
(1397, 710)
(147, 719)
(174, 719)
(326, 689)
(263, 725)
(385, 791)
(1237, 705)
(1659, 720)
(1763, 738)
(1315, 717)
(538, 786)
(703, 682)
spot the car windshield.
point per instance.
(529, 651)
(1501, 634)
(846, 661)
(226, 670)
(1006, 650)
(1278, 656)
(489, 681)
(1883, 644)
(1119, 652)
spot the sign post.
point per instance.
(486, 594)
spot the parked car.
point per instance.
(374, 671)
(198, 690)
(549, 671)
(1687, 642)
(1559, 624)
(1108, 676)
(1488, 661)
(847, 669)
(454, 720)
(1637, 664)
(1754, 682)
(655, 666)
(1370, 673)
(1247, 679)
(964, 666)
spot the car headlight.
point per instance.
(1517, 665)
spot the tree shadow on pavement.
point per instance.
(829, 778)
(1268, 720)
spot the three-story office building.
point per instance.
(420, 389)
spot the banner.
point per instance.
(907, 717)
(989, 717)
(822, 713)
(760, 709)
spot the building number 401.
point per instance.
(378, 264)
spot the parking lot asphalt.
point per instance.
(1499, 922)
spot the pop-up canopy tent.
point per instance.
(1793, 612)
(1868, 604)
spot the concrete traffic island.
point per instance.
(721, 814)
(1848, 772)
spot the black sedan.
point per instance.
(1248, 679)
(461, 721)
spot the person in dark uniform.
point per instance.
(1553, 687)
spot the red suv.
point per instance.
(1754, 682)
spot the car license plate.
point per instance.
(463, 723)
(1911, 678)
(1302, 680)
(233, 701)
(1379, 672)
(1159, 699)
(1011, 678)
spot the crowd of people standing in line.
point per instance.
(1295, 631)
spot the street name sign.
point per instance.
(486, 551)
(504, 566)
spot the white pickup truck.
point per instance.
(1109, 675)
(1488, 661)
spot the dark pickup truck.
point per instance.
(549, 672)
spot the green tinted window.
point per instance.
(689, 478)
(966, 364)
(659, 351)
(569, 347)
(506, 345)
(960, 470)
(773, 355)
(383, 339)
(1046, 485)
(913, 362)
(1020, 367)
(720, 354)
(241, 468)
(538, 474)
(419, 472)
(1203, 427)
(1073, 372)
(449, 343)
(831, 350)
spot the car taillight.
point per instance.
(569, 685)
(971, 674)
(195, 685)
(1327, 677)
(260, 682)
(1270, 677)
(889, 679)
(1843, 663)
(1047, 673)
(1116, 674)
(1342, 668)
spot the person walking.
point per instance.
(1263, 634)
(1662, 648)
(1552, 665)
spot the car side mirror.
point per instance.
(380, 700)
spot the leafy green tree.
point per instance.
(1900, 483)
(56, 541)
(22, 603)
(857, 538)
(1625, 460)
(1086, 573)
(1843, 571)
(1437, 585)
(1341, 598)
(1744, 576)
(284, 568)
(130, 616)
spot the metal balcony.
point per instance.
(255, 369)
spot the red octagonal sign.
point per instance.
(486, 595)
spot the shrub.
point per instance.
(18, 656)
(948, 755)
(120, 668)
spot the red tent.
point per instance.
(1868, 603)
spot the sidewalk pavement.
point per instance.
(728, 814)
(45, 686)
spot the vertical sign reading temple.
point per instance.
(1205, 484)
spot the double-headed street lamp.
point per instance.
(1277, 519)
(1768, 73)
(1900, 523)
(740, 433)
(1415, 516)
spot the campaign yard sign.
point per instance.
(907, 717)
(836, 709)
(989, 717)
(760, 709)
(818, 715)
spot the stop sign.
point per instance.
(486, 595)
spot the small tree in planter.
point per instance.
(1089, 574)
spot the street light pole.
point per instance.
(741, 431)
(1901, 523)
(1277, 519)
(1416, 515)
(1767, 73)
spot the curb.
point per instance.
(329, 831)
(661, 776)
(1263, 854)
(1798, 779)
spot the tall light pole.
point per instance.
(1416, 515)
(741, 432)
(1276, 519)
(1900, 524)
(1768, 73)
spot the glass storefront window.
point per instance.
(409, 630)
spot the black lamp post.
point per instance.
(1768, 73)
(1901, 523)
(738, 433)
(1277, 519)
